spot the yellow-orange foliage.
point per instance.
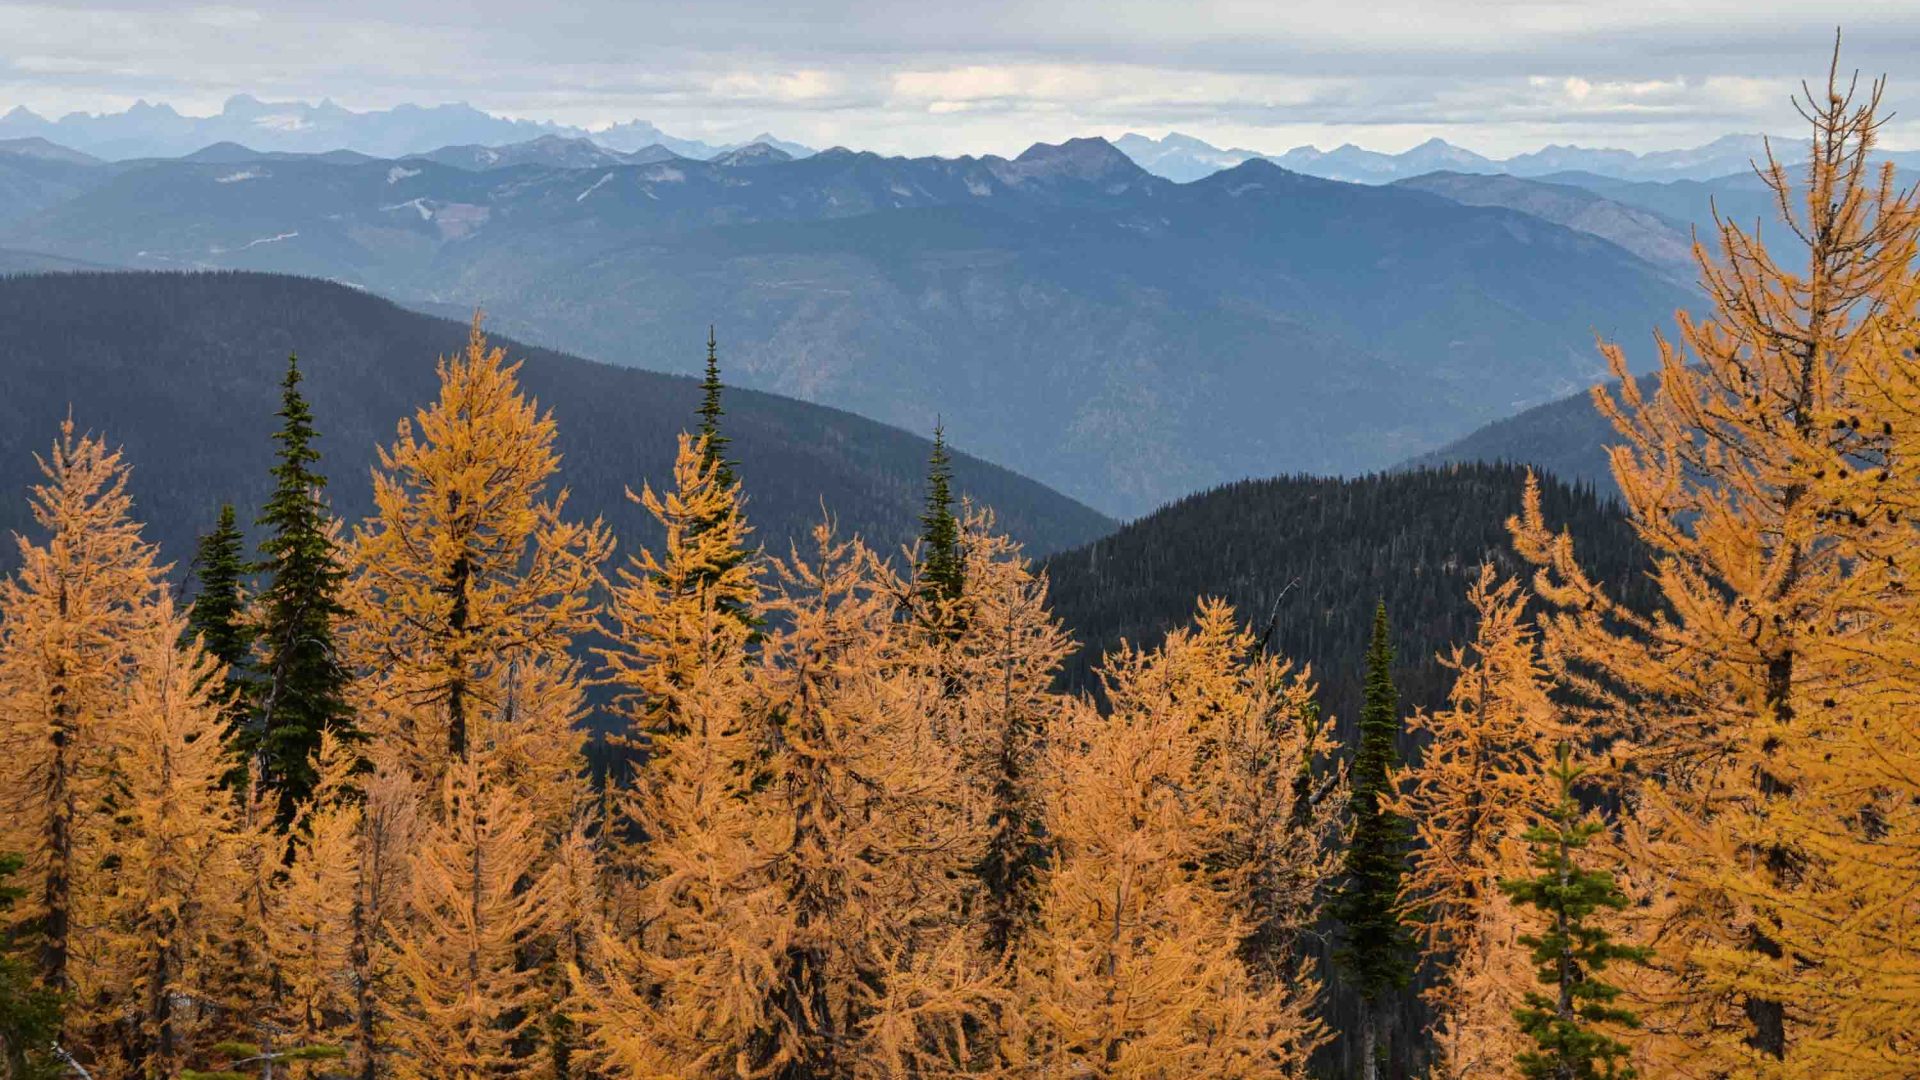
(310, 919)
(174, 881)
(878, 975)
(998, 670)
(471, 912)
(1133, 967)
(387, 835)
(469, 569)
(685, 989)
(1480, 784)
(67, 623)
(1745, 698)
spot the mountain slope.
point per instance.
(183, 371)
(36, 174)
(1309, 556)
(1120, 337)
(1567, 438)
(1659, 240)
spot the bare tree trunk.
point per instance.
(1370, 1041)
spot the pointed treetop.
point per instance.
(714, 456)
(942, 567)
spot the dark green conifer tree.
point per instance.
(302, 682)
(1569, 1027)
(714, 456)
(218, 619)
(1376, 950)
(710, 413)
(942, 565)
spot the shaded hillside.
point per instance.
(183, 370)
(1121, 337)
(1308, 556)
(1568, 438)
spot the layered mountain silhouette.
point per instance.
(158, 130)
(183, 370)
(1122, 337)
(1183, 157)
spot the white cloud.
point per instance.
(991, 75)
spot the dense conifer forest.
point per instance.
(1303, 559)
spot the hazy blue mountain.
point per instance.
(1742, 197)
(33, 262)
(1567, 437)
(557, 151)
(1179, 157)
(750, 155)
(1660, 240)
(147, 130)
(183, 370)
(1183, 157)
(36, 174)
(1119, 336)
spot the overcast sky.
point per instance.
(949, 76)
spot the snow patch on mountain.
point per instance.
(582, 197)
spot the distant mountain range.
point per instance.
(1119, 336)
(183, 371)
(1183, 157)
(148, 130)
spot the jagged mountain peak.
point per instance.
(1089, 158)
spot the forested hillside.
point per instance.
(1305, 558)
(183, 369)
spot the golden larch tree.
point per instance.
(470, 1003)
(1733, 474)
(684, 985)
(311, 909)
(387, 833)
(469, 567)
(68, 618)
(1479, 785)
(878, 975)
(174, 880)
(1133, 967)
(999, 665)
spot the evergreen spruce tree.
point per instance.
(1377, 951)
(714, 452)
(303, 684)
(713, 457)
(1569, 1027)
(218, 620)
(942, 564)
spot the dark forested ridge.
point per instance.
(1310, 556)
(183, 370)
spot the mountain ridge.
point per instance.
(150, 130)
(1122, 337)
(183, 371)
